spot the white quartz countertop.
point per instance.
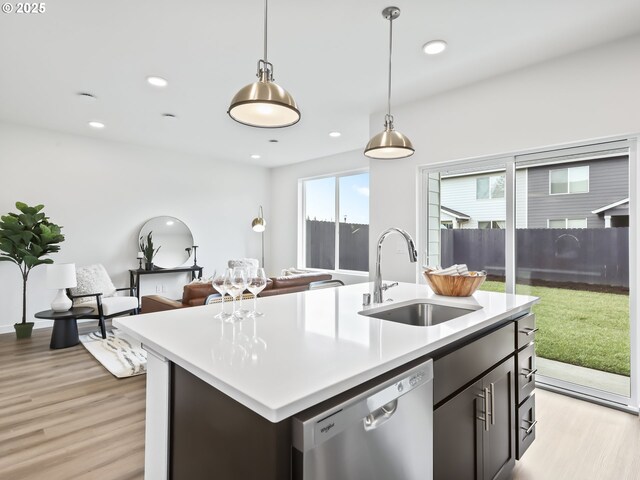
(309, 346)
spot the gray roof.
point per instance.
(455, 213)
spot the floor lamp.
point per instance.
(258, 225)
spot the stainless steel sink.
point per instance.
(422, 314)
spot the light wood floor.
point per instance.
(63, 416)
(582, 441)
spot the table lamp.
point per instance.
(140, 257)
(61, 276)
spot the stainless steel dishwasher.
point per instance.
(382, 431)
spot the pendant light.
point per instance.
(389, 144)
(264, 103)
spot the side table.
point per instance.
(65, 325)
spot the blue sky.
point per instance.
(354, 198)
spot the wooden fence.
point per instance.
(354, 245)
(598, 256)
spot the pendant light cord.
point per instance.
(265, 30)
(390, 51)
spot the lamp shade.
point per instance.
(264, 104)
(140, 256)
(389, 144)
(61, 275)
(258, 224)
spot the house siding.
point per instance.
(459, 193)
(608, 183)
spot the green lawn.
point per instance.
(583, 328)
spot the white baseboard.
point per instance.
(40, 324)
(37, 324)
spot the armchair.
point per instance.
(95, 289)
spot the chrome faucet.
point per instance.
(378, 286)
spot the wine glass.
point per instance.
(219, 283)
(256, 282)
(237, 284)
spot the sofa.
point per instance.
(196, 293)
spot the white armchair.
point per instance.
(95, 289)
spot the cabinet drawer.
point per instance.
(526, 330)
(526, 425)
(454, 370)
(526, 382)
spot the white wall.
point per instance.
(283, 215)
(583, 96)
(102, 192)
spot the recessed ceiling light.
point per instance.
(434, 47)
(87, 96)
(273, 140)
(96, 124)
(334, 134)
(169, 115)
(255, 156)
(157, 81)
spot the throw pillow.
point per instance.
(92, 279)
(243, 263)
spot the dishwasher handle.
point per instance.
(380, 416)
(370, 408)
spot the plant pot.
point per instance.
(148, 266)
(23, 330)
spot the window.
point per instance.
(569, 180)
(492, 224)
(567, 223)
(448, 224)
(490, 187)
(336, 222)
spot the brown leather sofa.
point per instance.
(195, 294)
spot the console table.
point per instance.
(134, 275)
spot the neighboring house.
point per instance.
(577, 194)
(477, 200)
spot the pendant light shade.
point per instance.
(264, 103)
(389, 144)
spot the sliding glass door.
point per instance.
(555, 225)
(573, 253)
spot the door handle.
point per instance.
(493, 403)
(485, 403)
(532, 425)
(530, 373)
(529, 331)
(380, 416)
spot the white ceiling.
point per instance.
(330, 55)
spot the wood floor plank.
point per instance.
(579, 440)
(63, 416)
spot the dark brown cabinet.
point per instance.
(474, 432)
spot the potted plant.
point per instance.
(25, 238)
(146, 247)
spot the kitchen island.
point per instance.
(307, 348)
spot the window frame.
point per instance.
(490, 197)
(566, 222)
(302, 209)
(568, 169)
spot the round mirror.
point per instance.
(173, 237)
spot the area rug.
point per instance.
(121, 355)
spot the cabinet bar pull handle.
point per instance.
(532, 425)
(530, 373)
(493, 404)
(529, 331)
(485, 404)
